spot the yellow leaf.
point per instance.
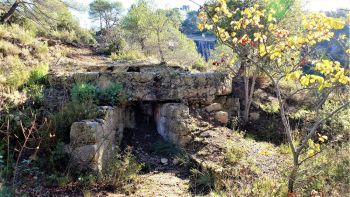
(321, 139)
(310, 153)
(215, 18)
(201, 27)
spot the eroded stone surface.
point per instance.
(174, 123)
(146, 81)
(92, 141)
(213, 107)
(163, 86)
(222, 117)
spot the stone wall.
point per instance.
(163, 86)
(92, 141)
(171, 89)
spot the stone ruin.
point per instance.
(155, 94)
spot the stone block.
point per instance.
(213, 107)
(221, 117)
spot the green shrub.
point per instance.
(88, 179)
(41, 49)
(121, 170)
(234, 153)
(128, 56)
(65, 35)
(339, 124)
(7, 48)
(117, 46)
(6, 191)
(35, 92)
(25, 36)
(300, 114)
(266, 186)
(57, 180)
(85, 37)
(327, 172)
(270, 106)
(16, 74)
(285, 149)
(72, 112)
(3, 31)
(111, 95)
(202, 180)
(38, 74)
(84, 92)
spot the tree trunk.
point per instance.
(292, 177)
(162, 60)
(246, 94)
(288, 130)
(249, 94)
(6, 17)
(142, 43)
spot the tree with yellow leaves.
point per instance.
(255, 32)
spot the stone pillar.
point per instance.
(173, 123)
(92, 141)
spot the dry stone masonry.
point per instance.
(166, 95)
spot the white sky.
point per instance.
(312, 5)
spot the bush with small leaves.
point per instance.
(235, 153)
(84, 92)
(16, 74)
(110, 95)
(202, 180)
(128, 56)
(38, 74)
(7, 48)
(121, 170)
(72, 112)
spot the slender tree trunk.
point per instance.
(6, 17)
(100, 22)
(162, 60)
(292, 177)
(250, 93)
(246, 94)
(142, 43)
(288, 130)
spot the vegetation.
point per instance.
(128, 56)
(291, 74)
(276, 53)
(157, 33)
(105, 12)
(122, 170)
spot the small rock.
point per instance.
(203, 124)
(213, 107)
(176, 161)
(205, 134)
(254, 116)
(221, 117)
(164, 161)
(198, 139)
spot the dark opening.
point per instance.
(145, 131)
(133, 69)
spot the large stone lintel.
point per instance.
(163, 86)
